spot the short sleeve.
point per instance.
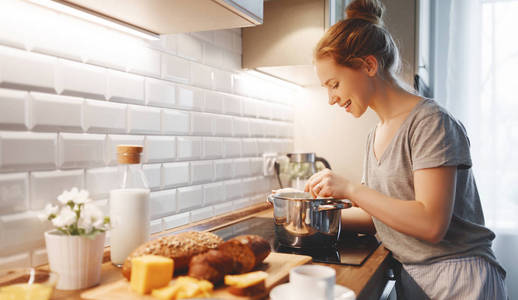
(438, 141)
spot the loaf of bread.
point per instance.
(248, 251)
(212, 265)
(180, 247)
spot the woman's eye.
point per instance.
(335, 86)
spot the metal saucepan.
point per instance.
(305, 222)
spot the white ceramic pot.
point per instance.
(76, 259)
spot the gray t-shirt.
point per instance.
(429, 137)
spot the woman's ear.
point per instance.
(370, 65)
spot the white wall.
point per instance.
(331, 132)
(70, 91)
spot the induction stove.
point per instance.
(349, 250)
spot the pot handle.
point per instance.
(331, 206)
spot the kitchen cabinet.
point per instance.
(173, 16)
(283, 45)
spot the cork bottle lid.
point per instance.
(129, 154)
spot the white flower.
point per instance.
(82, 197)
(85, 224)
(68, 196)
(48, 211)
(66, 217)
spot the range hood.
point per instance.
(283, 46)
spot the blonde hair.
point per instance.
(361, 34)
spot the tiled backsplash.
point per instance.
(70, 91)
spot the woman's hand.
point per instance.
(326, 183)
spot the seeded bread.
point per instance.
(259, 246)
(180, 247)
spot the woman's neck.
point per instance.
(391, 101)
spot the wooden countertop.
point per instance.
(367, 280)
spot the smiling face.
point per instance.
(347, 87)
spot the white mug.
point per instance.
(312, 282)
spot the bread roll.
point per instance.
(212, 265)
(243, 256)
(259, 246)
(180, 247)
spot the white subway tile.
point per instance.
(82, 80)
(223, 208)
(125, 87)
(26, 70)
(202, 214)
(207, 36)
(242, 167)
(249, 147)
(155, 226)
(15, 261)
(258, 199)
(260, 187)
(27, 150)
(189, 98)
(214, 102)
(143, 119)
(153, 175)
(248, 187)
(113, 140)
(212, 55)
(240, 203)
(241, 127)
(10, 17)
(81, 150)
(212, 147)
(159, 149)
(13, 110)
(190, 197)
(14, 196)
(160, 93)
(264, 145)
(188, 148)
(100, 181)
(224, 39)
(47, 186)
(201, 123)
(223, 126)
(231, 60)
(162, 203)
(242, 85)
(201, 75)
(144, 61)
(175, 174)
(189, 47)
(176, 122)
(104, 117)
(176, 220)
(50, 112)
(223, 169)
(21, 232)
(233, 189)
(175, 68)
(256, 165)
(39, 257)
(256, 128)
(232, 105)
(168, 43)
(202, 171)
(250, 107)
(232, 147)
(222, 81)
(214, 193)
(264, 110)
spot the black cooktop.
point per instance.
(350, 250)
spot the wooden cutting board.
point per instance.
(277, 265)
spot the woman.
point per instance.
(418, 192)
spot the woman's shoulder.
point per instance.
(431, 110)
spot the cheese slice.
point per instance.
(183, 288)
(245, 280)
(150, 272)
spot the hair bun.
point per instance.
(367, 10)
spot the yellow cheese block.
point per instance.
(150, 272)
(183, 288)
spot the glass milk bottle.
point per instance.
(129, 205)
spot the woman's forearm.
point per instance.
(409, 217)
